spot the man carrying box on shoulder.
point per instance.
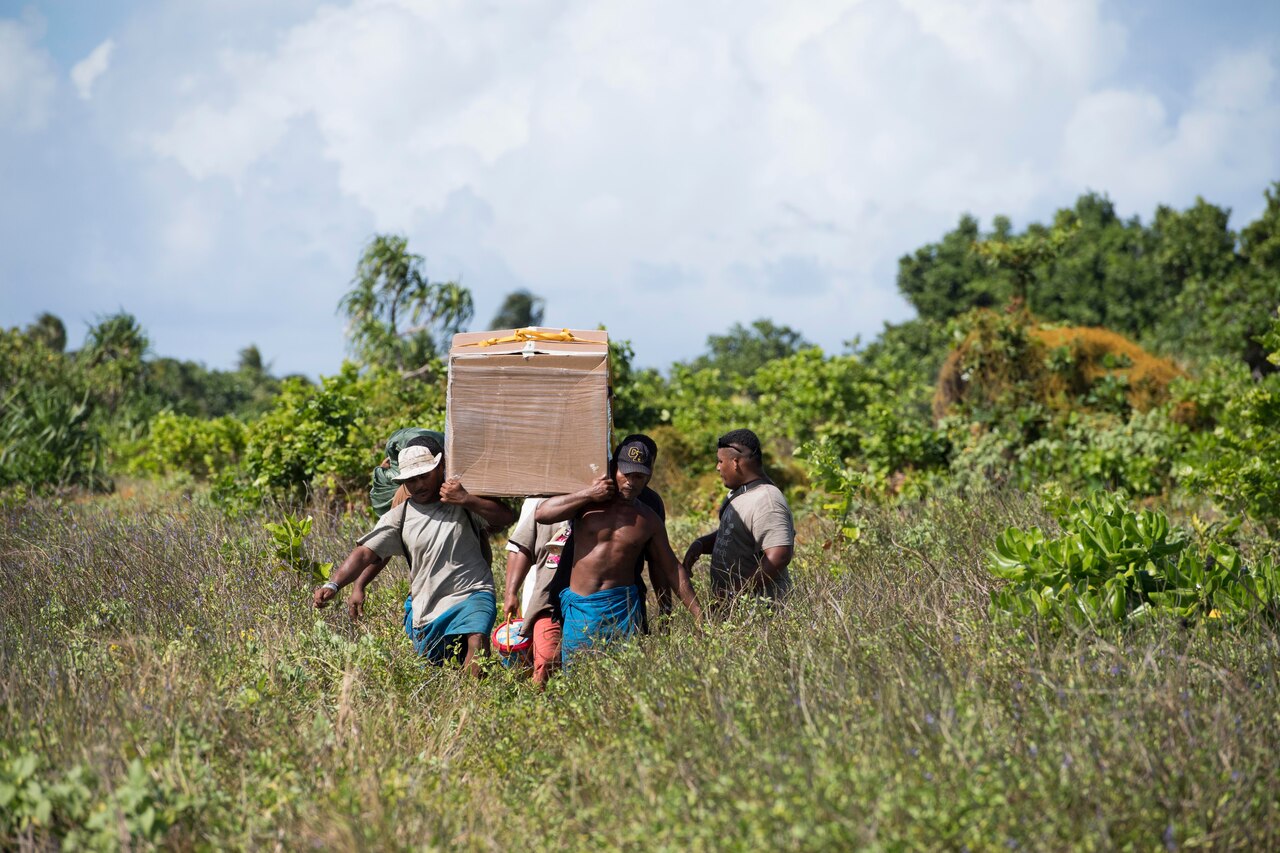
(540, 558)
(611, 531)
(440, 530)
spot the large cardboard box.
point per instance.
(528, 411)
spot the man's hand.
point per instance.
(603, 489)
(453, 492)
(698, 547)
(510, 607)
(322, 596)
(355, 604)
(565, 507)
(691, 555)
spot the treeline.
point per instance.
(1186, 284)
(1091, 351)
(71, 418)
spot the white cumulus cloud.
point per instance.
(87, 71)
(1225, 140)
(773, 158)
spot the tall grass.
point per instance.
(155, 658)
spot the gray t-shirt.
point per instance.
(756, 517)
(546, 543)
(445, 561)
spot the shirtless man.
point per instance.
(611, 530)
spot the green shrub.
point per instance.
(1237, 461)
(842, 487)
(181, 443)
(48, 434)
(310, 440)
(1134, 454)
(1112, 564)
(289, 534)
(324, 440)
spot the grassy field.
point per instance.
(163, 682)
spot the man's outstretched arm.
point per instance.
(660, 555)
(565, 507)
(518, 565)
(359, 562)
(698, 547)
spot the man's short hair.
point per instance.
(744, 441)
(427, 441)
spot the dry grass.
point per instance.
(880, 709)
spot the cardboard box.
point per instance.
(528, 411)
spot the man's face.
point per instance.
(729, 466)
(630, 485)
(425, 488)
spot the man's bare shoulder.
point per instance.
(646, 512)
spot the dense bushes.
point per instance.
(70, 418)
(182, 444)
(952, 400)
(323, 441)
(1113, 564)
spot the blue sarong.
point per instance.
(587, 619)
(473, 616)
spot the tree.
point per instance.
(741, 351)
(1104, 275)
(249, 360)
(1260, 252)
(521, 308)
(1229, 294)
(397, 318)
(1088, 268)
(1194, 243)
(1022, 256)
(112, 355)
(47, 418)
(49, 330)
(947, 278)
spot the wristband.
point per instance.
(329, 585)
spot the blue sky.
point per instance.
(666, 169)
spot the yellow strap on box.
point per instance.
(532, 334)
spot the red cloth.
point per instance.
(546, 648)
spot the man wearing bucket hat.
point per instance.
(753, 546)
(440, 530)
(612, 529)
(385, 493)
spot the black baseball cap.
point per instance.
(634, 457)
